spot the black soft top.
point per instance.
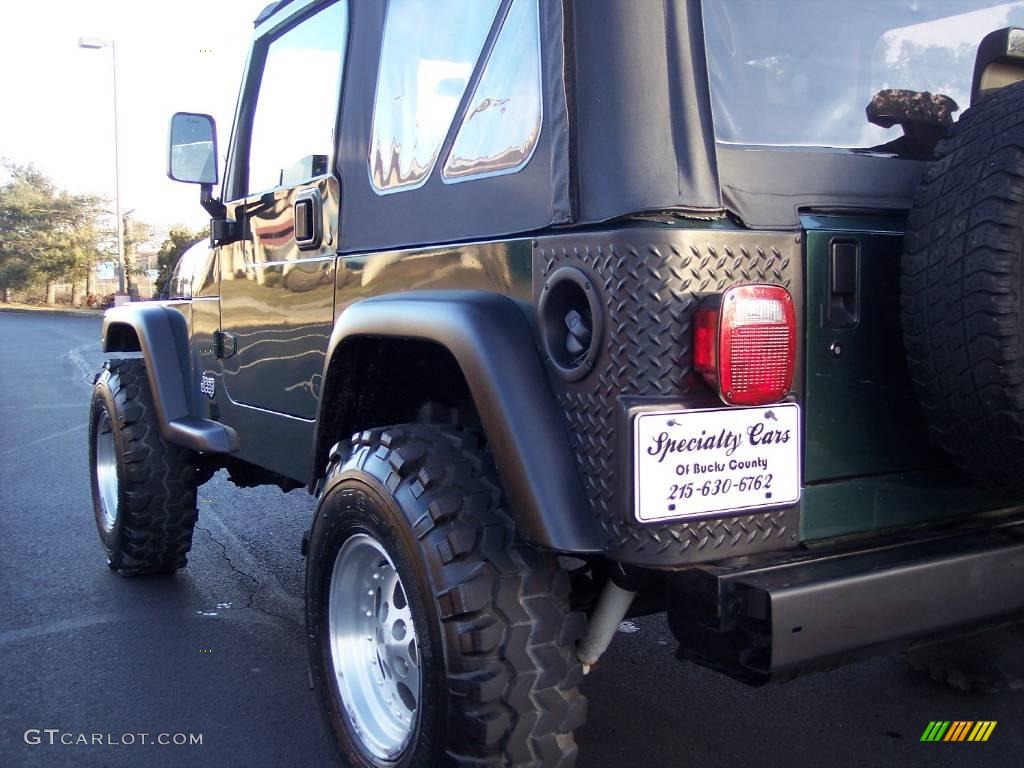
(627, 129)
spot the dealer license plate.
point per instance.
(689, 463)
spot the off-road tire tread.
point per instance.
(511, 638)
(159, 479)
(961, 292)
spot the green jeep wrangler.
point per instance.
(567, 312)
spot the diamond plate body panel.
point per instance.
(650, 281)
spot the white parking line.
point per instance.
(23, 446)
(55, 627)
(43, 406)
(85, 369)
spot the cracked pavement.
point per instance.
(219, 648)
(227, 559)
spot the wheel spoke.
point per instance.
(106, 470)
(413, 656)
(373, 647)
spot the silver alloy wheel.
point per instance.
(373, 647)
(106, 470)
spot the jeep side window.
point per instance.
(203, 277)
(502, 125)
(179, 286)
(293, 125)
(429, 52)
(176, 287)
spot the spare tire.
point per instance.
(962, 292)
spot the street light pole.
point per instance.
(94, 43)
(121, 277)
(126, 234)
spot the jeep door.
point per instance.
(277, 280)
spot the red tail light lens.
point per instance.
(705, 343)
(745, 346)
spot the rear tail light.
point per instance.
(745, 344)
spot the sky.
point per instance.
(56, 99)
(56, 105)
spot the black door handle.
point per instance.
(843, 309)
(308, 217)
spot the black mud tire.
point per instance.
(156, 495)
(963, 293)
(491, 613)
(991, 662)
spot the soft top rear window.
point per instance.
(801, 72)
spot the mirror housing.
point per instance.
(192, 156)
(193, 149)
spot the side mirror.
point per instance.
(193, 149)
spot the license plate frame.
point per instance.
(656, 461)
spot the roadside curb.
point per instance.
(53, 311)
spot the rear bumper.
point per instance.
(774, 619)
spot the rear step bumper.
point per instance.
(770, 620)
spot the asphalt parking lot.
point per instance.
(218, 649)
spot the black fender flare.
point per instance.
(491, 339)
(161, 335)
